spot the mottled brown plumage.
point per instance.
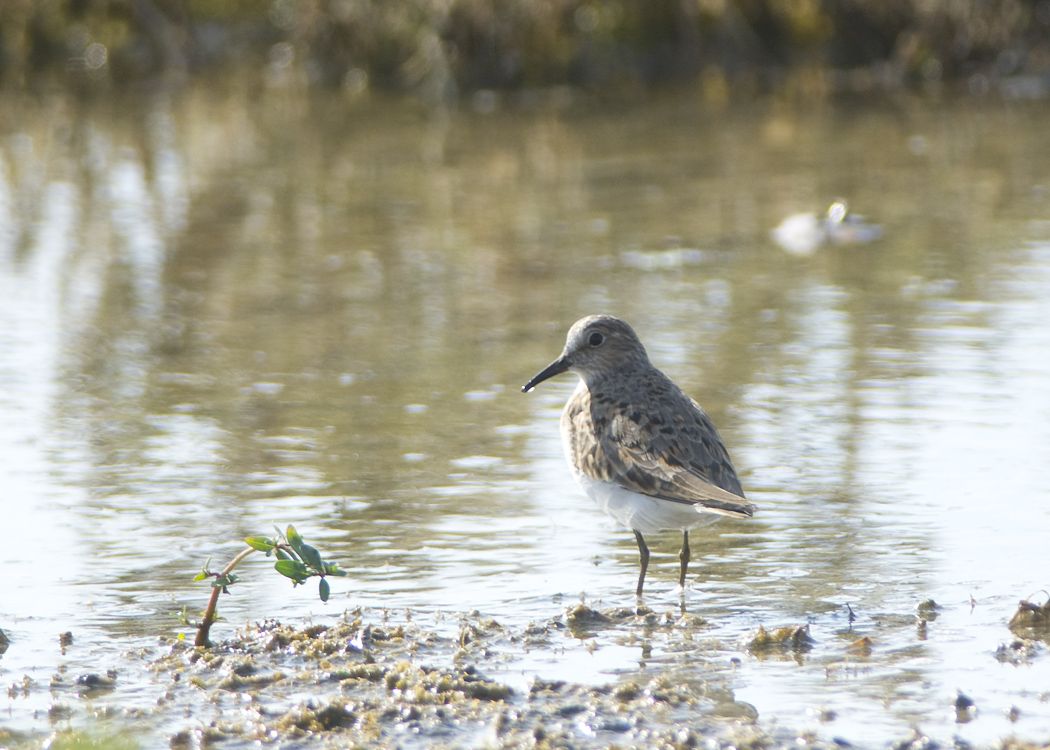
(642, 449)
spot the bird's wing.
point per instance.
(684, 461)
(677, 455)
(655, 441)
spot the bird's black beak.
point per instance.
(557, 367)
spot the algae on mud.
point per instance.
(357, 683)
(415, 679)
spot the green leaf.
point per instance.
(227, 580)
(331, 569)
(200, 576)
(323, 590)
(311, 557)
(292, 569)
(261, 543)
(281, 554)
(294, 539)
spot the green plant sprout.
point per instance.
(295, 559)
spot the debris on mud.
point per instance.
(965, 708)
(1018, 651)
(379, 677)
(861, 646)
(1032, 620)
(357, 683)
(781, 640)
(928, 610)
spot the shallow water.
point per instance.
(220, 310)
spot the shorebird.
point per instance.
(645, 452)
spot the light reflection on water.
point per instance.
(218, 315)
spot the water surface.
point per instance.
(220, 310)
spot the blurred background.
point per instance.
(292, 261)
(615, 48)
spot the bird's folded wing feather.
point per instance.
(679, 458)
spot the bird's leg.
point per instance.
(644, 552)
(684, 558)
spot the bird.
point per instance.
(637, 445)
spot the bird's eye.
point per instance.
(596, 339)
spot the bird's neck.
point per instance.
(609, 378)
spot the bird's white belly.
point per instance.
(640, 512)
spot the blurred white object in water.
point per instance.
(801, 234)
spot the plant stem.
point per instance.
(213, 603)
